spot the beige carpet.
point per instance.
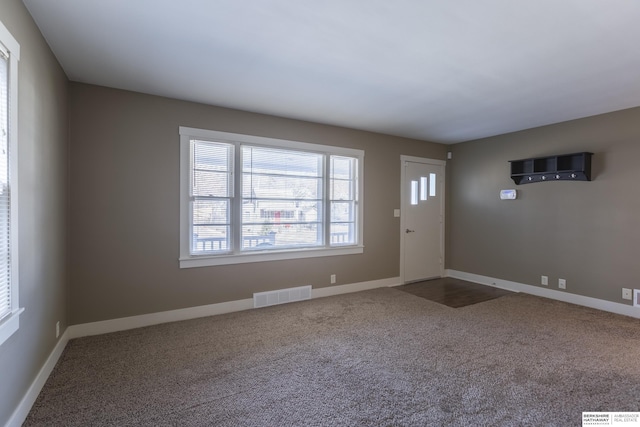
(375, 358)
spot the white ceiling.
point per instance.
(440, 70)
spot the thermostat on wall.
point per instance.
(508, 194)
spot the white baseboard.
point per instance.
(612, 307)
(21, 412)
(96, 328)
(125, 323)
(355, 287)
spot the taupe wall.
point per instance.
(124, 212)
(42, 133)
(585, 232)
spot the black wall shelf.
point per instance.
(566, 167)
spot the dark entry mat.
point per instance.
(454, 293)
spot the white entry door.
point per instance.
(422, 219)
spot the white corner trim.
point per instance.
(23, 408)
(355, 287)
(599, 304)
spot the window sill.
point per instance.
(207, 261)
(10, 324)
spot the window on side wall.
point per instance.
(246, 199)
(9, 307)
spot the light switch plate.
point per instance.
(396, 213)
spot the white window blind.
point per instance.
(344, 200)
(9, 308)
(282, 198)
(211, 195)
(5, 195)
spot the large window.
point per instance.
(9, 308)
(247, 199)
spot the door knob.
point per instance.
(410, 231)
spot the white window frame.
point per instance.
(11, 323)
(187, 260)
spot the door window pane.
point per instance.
(414, 192)
(432, 184)
(423, 188)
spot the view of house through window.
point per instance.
(248, 198)
(282, 198)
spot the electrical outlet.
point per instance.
(333, 278)
(626, 294)
(544, 280)
(57, 329)
(562, 284)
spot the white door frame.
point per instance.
(403, 200)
